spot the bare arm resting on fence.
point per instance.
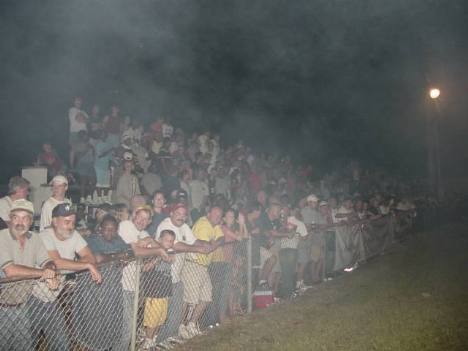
(87, 261)
(19, 271)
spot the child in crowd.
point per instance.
(157, 288)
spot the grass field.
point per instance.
(413, 298)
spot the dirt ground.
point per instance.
(415, 297)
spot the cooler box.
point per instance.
(263, 298)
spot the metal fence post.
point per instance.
(135, 305)
(249, 274)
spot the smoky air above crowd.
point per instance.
(321, 81)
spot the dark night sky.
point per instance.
(321, 80)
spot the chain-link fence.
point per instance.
(152, 304)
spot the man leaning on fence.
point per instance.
(63, 243)
(185, 242)
(21, 252)
(195, 276)
(134, 234)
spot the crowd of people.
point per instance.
(186, 205)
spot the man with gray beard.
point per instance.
(21, 253)
(62, 243)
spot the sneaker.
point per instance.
(165, 345)
(193, 329)
(141, 335)
(183, 332)
(148, 344)
(175, 340)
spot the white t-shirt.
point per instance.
(67, 249)
(46, 212)
(183, 234)
(301, 231)
(76, 126)
(130, 234)
(5, 206)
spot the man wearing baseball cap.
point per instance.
(59, 188)
(185, 241)
(21, 252)
(63, 242)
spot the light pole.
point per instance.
(434, 166)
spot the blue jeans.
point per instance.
(15, 331)
(288, 262)
(48, 317)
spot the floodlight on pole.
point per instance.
(434, 93)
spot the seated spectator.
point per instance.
(127, 185)
(120, 212)
(18, 188)
(59, 188)
(137, 201)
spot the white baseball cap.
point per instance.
(59, 179)
(312, 198)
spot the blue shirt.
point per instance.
(99, 245)
(155, 222)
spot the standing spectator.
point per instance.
(134, 234)
(197, 282)
(94, 122)
(84, 165)
(157, 288)
(234, 230)
(185, 241)
(268, 223)
(59, 189)
(18, 188)
(294, 230)
(22, 254)
(103, 150)
(112, 125)
(310, 216)
(78, 119)
(127, 185)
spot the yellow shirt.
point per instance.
(203, 230)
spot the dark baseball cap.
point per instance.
(63, 210)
